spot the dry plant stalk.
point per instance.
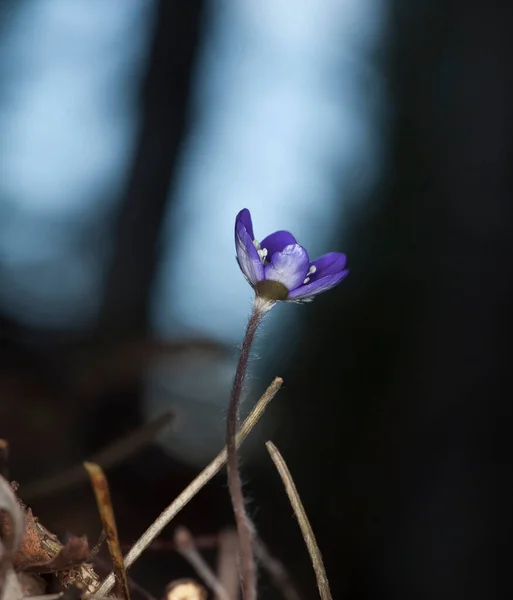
(109, 456)
(227, 571)
(185, 546)
(4, 457)
(102, 494)
(304, 523)
(192, 489)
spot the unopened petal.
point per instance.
(310, 290)
(289, 266)
(244, 217)
(247, 255)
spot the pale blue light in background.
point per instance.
(67, 126)
(286, 113)
(284, 117)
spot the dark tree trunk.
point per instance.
(165, 101)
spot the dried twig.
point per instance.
(227, 569)
(102, 494)
(277, 571)
(304, 524)
(193, 488)
(186, 547)
(108, 457)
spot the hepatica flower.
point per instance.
(278, 268)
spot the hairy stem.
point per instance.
(244, 526)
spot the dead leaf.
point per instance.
(75, 552)
(31, 551)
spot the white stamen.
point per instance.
(262, 252)
(311, 271)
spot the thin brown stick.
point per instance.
(227, 568)
(304, 523)
(277, 572)
(102, 494)
(186, 547)
(4, 458)
(192, 489)
(108, 457)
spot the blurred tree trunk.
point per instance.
(165, 100)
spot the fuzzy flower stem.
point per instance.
(245, 528)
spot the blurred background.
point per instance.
(131, 133)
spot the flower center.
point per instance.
(272, 291)
(311, 271)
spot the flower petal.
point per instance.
(308, 291)
(328, 264)
(288, 266)
(277, 241)
(247, 255)
(245, 218)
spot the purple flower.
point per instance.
(278, 268)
